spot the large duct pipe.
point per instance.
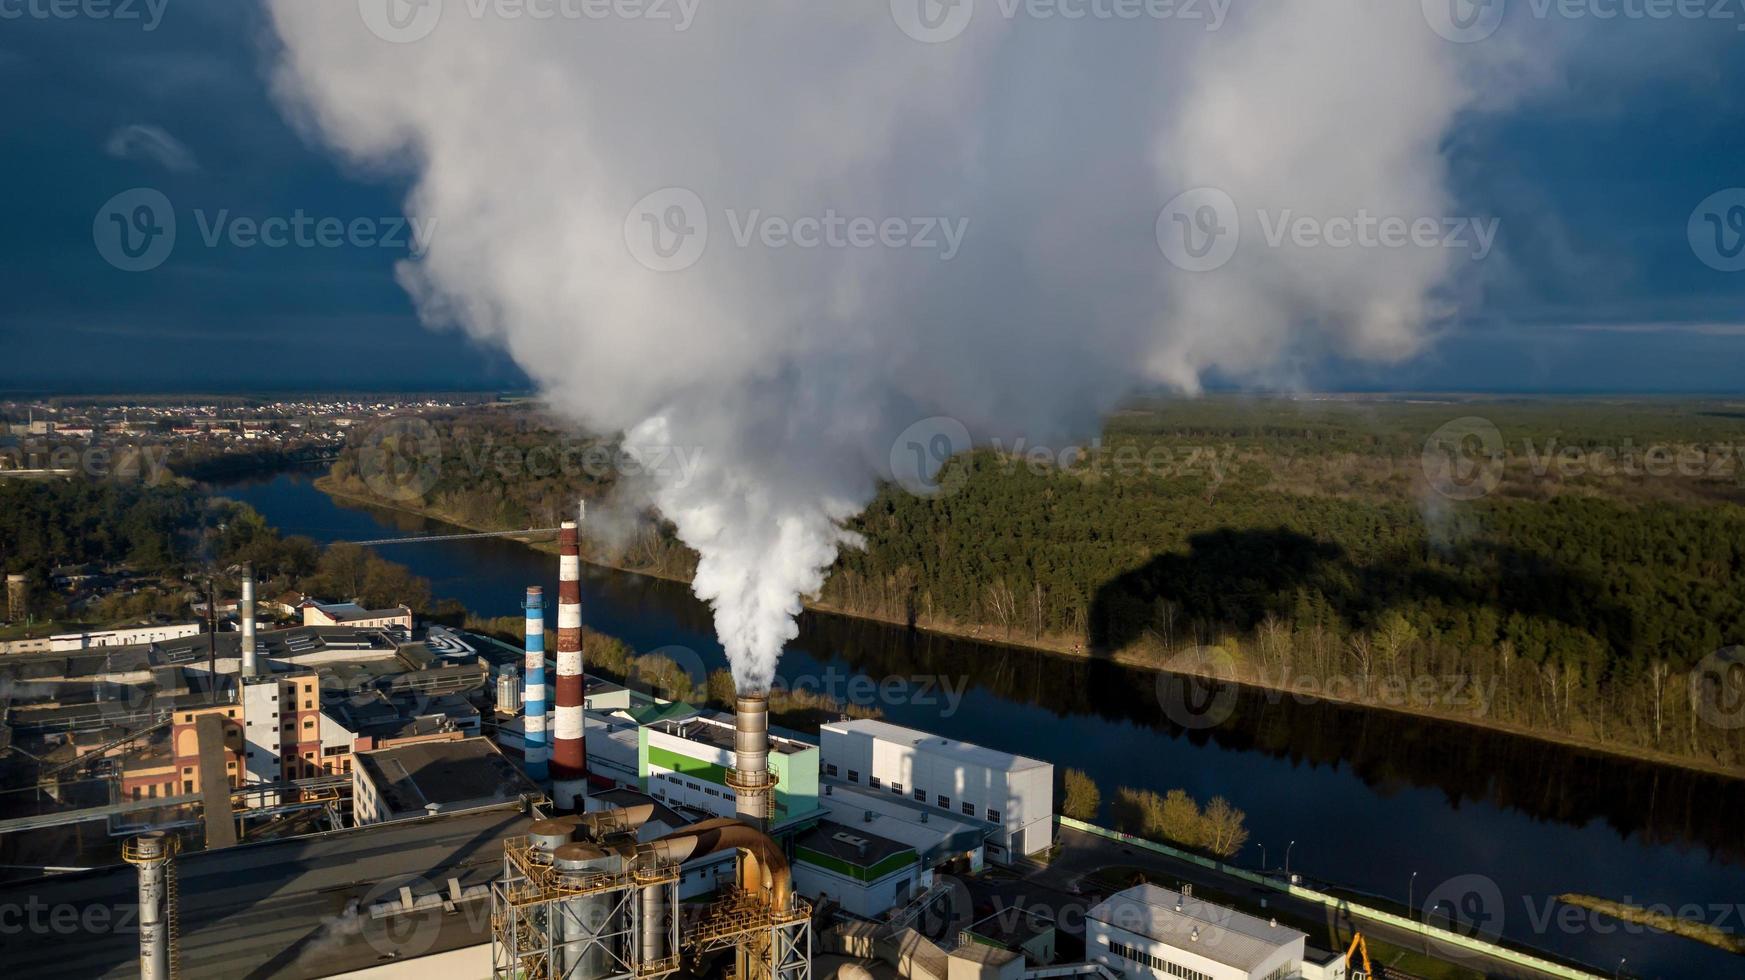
(750, 776)
(150, 853)
(537, 749)
(569, 763)
(763, 867)
(249, 666)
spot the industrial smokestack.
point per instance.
(537, 749)
(569, 762)
(151, 853)
(249, 666)
(750, 776)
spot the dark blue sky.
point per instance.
(1593, 182)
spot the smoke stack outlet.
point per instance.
(750, 777)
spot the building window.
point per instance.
(969, 809)
(1157, 963)
(920, 794)
(853, 777)
(873, 781)
(993, 815)
(690, 785)
(897, 788)
(945, 803)
(829, 769)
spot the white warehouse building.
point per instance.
(1012, 794)
(1152, 933)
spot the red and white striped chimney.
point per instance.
(569, 759)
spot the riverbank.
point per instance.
(1148, 661)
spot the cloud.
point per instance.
(141, 141)
(606, 173)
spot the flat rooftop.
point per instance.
(415, 777)
(851, 844)
(1218, 933)
(716, 728)
(920, 741)
(295, 909)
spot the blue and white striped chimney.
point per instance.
(538, 748)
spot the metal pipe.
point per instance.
(652, 923)
(569, 763)
(750, 778)
(537, 749)
(149, 853)
(249, 666)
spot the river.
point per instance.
(1496, 825)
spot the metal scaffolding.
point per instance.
(621, 921)
(552, 924)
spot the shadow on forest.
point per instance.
(1236, 578)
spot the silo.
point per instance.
(587, 928)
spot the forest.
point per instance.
(1583, 594)
(180, 535)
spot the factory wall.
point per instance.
(679, 770)
(1017, 804)
(866, 892)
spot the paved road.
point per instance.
(1082, 854)
(274, 909)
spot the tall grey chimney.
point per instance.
(750, 777)
(249, 666)
(151, 853)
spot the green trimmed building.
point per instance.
(866, 874)
(684, 760)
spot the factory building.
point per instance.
(1013, 794)
(685, 761)
(427, 778)
(282, 724)
(352, 614)
(173, 768)
(867, 875)
(943, 841)
(1157, 934)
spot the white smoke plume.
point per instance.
(1049, 145)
